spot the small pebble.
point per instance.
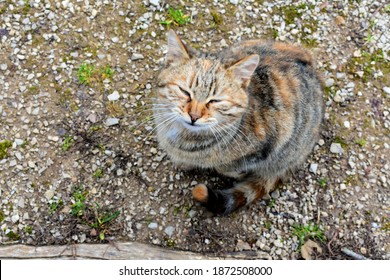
(336, 148)
(111, 121)
(113, 96)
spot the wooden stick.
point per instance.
(352, 254)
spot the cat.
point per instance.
(251, 112)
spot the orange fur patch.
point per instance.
(295, 52)
(200, 193)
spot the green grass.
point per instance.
(107, 73)
(217, 17)
(322, 182)
(56, 205)
(13, 236)
(175, 17)
(91, 214)
(84, 73)
(341, 141)
(308, 232)
(98, 173)
(4, 145)
(68, 142)
(361, 142)
(28, 229)
(2, 216)
(78, 207)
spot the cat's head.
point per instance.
(199, 91)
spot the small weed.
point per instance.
(84, 73)
(361, 142)
(78, 207)
(341, 141)
(271, 202)
(68, 142)
(2, 216)
(291, 13)
(387, 9)
(323, 182)
(308, 232)
(13, 236)
(107, 73)
(176, 210)
(28, 229)
(267, 225)
(55, 205)
(4, 145)
(175, 17)
(94, 128)
(103, 218)
(115, 109)
(33, 90)
(170, 243)
(98, 173)
(101, 147)
(217, 18)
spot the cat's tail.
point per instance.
(225, 201)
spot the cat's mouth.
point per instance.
(195, 126)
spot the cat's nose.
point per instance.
(194, 117)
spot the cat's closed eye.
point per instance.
(186, 93)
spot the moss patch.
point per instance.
(4, 145)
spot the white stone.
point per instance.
(137, 56)
(3, 66)
(386, 90)
(357, 53)
(49, 194)
(294, 31)
(169, 230)
(30, 76)
(155, 2)
(347, 124)
(321, 142)
(329, 82)
(313, 167)
(18, 141)
(336, 148)
(15, 218)
(234, 2)
(111, 121)
(94, 13)
(113, 96)
(340, 76)
(152, 225)
(115, 39)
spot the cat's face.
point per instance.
(200, 93)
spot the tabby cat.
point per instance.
(251, 112)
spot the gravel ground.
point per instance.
(79, 162)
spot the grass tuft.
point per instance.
(175, 17)
(308, 232)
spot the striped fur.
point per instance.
(251, 112)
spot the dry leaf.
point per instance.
(307, 249)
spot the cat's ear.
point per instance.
(243, 69)
(177, 51)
